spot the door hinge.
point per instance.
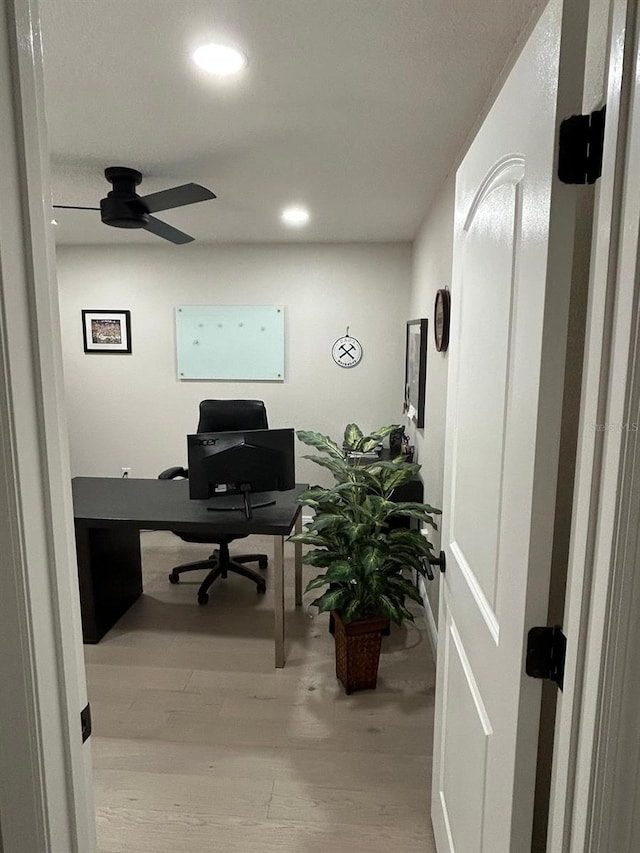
(546, 651)
(580, 148)
(85, 722)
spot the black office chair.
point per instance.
(222, 416)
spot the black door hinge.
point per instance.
(546, 651)
(85, 722)
(581, 143)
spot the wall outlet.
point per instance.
(126, 472)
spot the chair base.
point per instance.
(219, 564)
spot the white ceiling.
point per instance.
(356, 108)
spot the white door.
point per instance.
(510, 292)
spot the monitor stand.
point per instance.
(248, 506)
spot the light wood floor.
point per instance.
(201, 746)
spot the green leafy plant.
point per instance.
(363, 556)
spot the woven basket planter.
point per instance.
(358, 651)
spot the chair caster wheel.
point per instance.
(174, 578)
(262, 564)
(202, 599)
(262, 588)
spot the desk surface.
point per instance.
(165, 505)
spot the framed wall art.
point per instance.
(415, 376)
(106, 331)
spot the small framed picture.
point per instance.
(107, 331)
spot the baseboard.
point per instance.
(432, 630)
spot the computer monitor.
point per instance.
(240, 463)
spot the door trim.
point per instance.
(598, 618)
(46, 802)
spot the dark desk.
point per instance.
(109, 514)
(411, 491)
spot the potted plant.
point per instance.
(363, 554)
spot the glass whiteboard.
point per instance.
(230, 342)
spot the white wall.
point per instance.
(132, 411)
(432, 259)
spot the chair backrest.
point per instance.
(225, 415)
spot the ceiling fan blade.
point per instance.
(168, 232)
(73, 207)
(176, 197)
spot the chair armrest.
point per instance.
(172, 473)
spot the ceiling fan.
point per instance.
(124, 208)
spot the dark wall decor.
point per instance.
(415, 376)
(441, 316)
(106, 331)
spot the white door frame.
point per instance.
(46, 799)
(591, 803)
(45, 783)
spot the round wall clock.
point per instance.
(347, 351)
(441, 312)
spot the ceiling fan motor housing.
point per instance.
(123, 208)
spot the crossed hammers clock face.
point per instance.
(347, 351)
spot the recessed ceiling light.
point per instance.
(54, 221)
(295, 216)
(219, 59)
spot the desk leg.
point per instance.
(109, 575)
(278, 593)
(298, 561)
